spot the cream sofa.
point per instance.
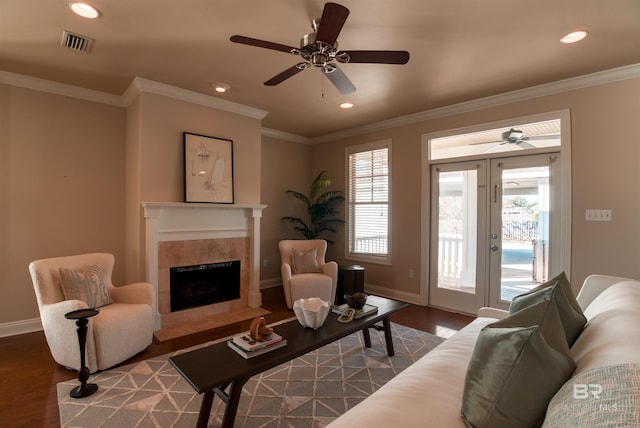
(604, 389)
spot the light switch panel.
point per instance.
(597, 215)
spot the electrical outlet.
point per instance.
(265, 263)
(597, 215)
(412, 273)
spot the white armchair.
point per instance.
(122, 329)
(304, 271)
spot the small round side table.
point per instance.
(81, 316)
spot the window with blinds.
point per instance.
(369, 191)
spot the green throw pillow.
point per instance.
(516, 367)
(559, 290)
(88, 286)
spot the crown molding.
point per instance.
(281, 135)
(140, 85)
(580, 82)
(63, 89)
(137, 87)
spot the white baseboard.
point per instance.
(369, 288)
(392, 294)
(270, 283)
(20, 327)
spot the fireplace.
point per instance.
(182, 234)
(204, 284)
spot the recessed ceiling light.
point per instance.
(84, 9)
(346, 105)
(574, 36)
(221, 87)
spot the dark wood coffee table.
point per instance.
(214, 369)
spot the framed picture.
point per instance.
(208, 167)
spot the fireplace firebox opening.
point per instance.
(204, 284)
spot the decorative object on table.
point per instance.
(357, 313)
(253, 343)
(208, 167)
(346, 315)
(81, 316)
(321, 209)
(311, 312)
(356, 300)
(259, 329)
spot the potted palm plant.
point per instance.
(321, 209)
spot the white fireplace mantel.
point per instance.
(175, 221)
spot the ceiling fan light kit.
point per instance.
(320, 49)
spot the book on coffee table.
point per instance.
(366, 310)
(256, 352)
(245, 342)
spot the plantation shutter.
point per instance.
(369, 202)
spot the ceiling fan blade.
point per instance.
(378, 57)
(340, 81)
(543, 137)
(331, 23)
(493, 148)
(524, 145)
(261, 43)
(289, 72)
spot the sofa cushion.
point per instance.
(558, 289)
(304, 262)
(517, 365)
(88, 286)
(606, 396)
(611, 334)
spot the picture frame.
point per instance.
(208, 167)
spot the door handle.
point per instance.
(494, 247)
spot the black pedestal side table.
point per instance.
(350, 280)
(81, 316)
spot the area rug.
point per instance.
(309, 391)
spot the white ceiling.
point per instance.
(460, 50)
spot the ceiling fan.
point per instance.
(517, 138)
(320, 49)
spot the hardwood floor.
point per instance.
(28, 374)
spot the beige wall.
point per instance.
(61, 187)
(605, 166)
(285, 165)
(73, 174)
(155, 163)
(63, 163)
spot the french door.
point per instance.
(495, 227)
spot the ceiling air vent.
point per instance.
(76, 42)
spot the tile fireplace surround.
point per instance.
(180, 234)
